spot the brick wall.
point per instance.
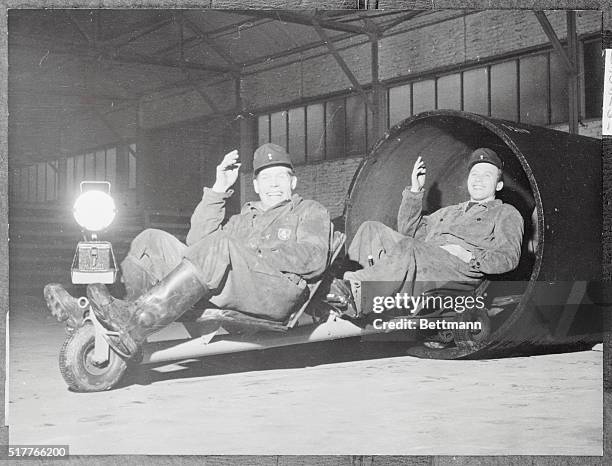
(175, 162)
(451, 41)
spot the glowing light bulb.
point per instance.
(94, 210)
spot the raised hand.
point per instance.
(418, 175)
(227, 172)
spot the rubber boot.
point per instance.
(135, 278)
(165, 302)
(63, 305)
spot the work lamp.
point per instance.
(94, 211)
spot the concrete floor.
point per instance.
(328, 398)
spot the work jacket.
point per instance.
(292, 237)
(491, 231)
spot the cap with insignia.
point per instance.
(269, 154)
(485, 155)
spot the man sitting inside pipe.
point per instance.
(257, 263)
(457, 244)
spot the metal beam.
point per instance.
(79, 28)
(554, 40)
(123, 57)
(211, 103)
(573, 82)
(301, 18)
(349, 74)
(210, 42)
(397, 21)
(195, 41)
(69, 93)
(113, 130)
(125, 39)
(379, 122)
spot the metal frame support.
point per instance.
(379, 122)
(301, 18)
(349, 74)
(570, 61)
(113, 130)
(573, 79)
(554, 40)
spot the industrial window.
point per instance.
(534, 89)
(593, 78)
(530, 89)
(504, 92)
(423, 96)
(335, 118)
(476, 91)
(449, 91)
(41, 182)
(297, 135)
(400, 103)
(355, 125)
(320, 131)
(278, 128)
(315, 132)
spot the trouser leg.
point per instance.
(242, 281)
(372, 239)
(152, 255)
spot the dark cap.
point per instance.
(485, 155)
(269, 154)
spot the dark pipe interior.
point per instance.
(445, 143)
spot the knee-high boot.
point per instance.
(165, 302)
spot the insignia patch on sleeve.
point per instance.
(284, 234)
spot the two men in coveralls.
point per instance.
(258, 262)
(456, 244)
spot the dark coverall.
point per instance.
(258, 263)
(412, 259)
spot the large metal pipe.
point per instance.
(553, 178)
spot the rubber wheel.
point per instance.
(76, 366)
(473, 336)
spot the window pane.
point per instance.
(100, 166)
(131, 170)
(278, 123)
(355, 125)
(263, 126)
(32, 183)
(372, 137)
(68, 189)
(504, 103)
(399, 104)
(297, 135)
(423, 96)
(42, 178)
(449, 92)
(79, 172)
(51, 180)
(25, 179)
(316, 134)
(475, 91)
(534, 89)
(13, 184)
(90, 167)
(111, 167)
(593, 79)
(334, 120)
(559, 102)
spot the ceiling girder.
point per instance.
(302, 18)
(122, 57)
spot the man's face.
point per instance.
(274, 185)
(482, 182)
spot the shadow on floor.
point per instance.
(289, 357)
